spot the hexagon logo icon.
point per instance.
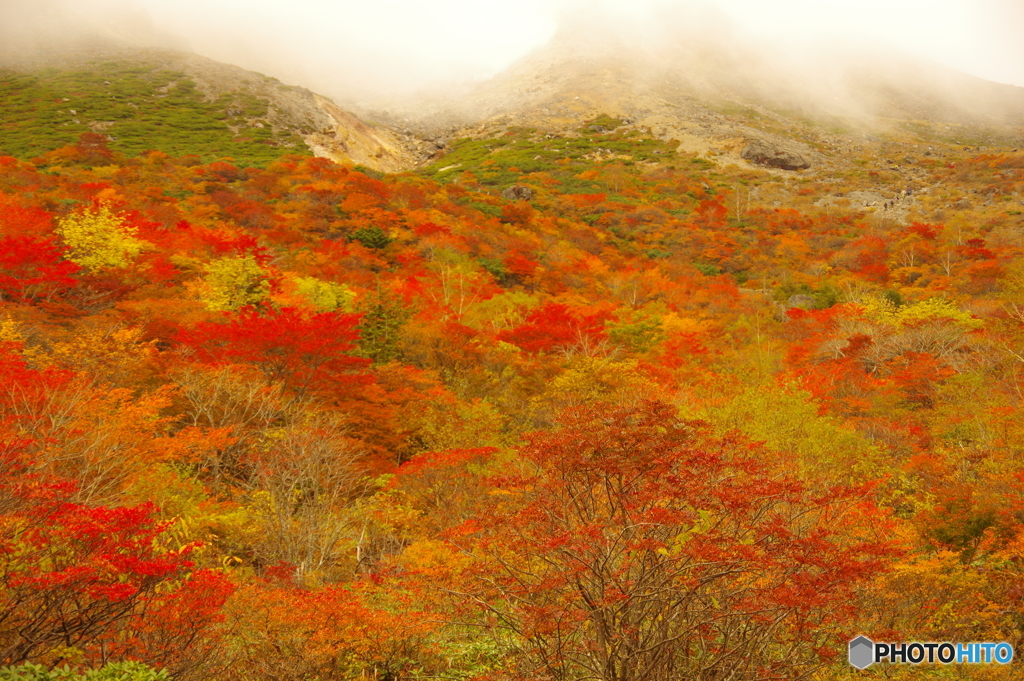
(862, 652)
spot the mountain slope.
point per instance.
(716, 92)
(182, 104)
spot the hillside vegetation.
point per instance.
(561, 405)
(139, 107)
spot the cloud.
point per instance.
(383, 46)
(349, 49)
(29, 27)
(401, 45)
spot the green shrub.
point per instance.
(605, 121)
(825, 296)
(707, 269)
(485, 208)
(371, 237)
(497, 270)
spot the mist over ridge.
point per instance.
(353, 51)
(684, 62)
(701, 72)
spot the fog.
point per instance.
(352, 49)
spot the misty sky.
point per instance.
(402, 45)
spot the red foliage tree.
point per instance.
(641, 547)
(70, 574)
(556, 326)
(520, 265)
(33, 268)
(871, 255)
(176, 629)
(18, 220)
(307, 352)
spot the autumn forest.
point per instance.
(553, 406)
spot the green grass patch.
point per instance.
(503, 160)
(139, 108)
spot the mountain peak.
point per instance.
(690, 75)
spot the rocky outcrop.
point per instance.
(349, 140)
(517, 192)
(800, 300)
(774, 156)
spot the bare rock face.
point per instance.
(774, 156)
(348, 140)
(517, 192)
(800, 300)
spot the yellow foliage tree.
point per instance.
(99, 239)
(884, 311)
(234, 282)
(787, 419)
(587, 379)
(325, 296)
